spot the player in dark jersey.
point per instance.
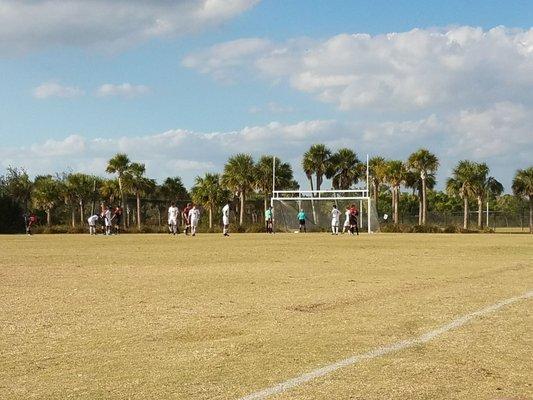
(117, 219)
(185, 217)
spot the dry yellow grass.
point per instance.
(154, 316)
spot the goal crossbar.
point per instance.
(351, 194)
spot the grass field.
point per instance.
(154, 316)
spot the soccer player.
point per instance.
(335, 215)
(269, 220)
(92, 220)
(185, 216)
(346, 225)
(301, 219)
(108, 220)
(173, 213)
(31, 220)
(225, 219)
(117, 219)
(354, 214)
(194, 216)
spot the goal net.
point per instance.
(317, 206)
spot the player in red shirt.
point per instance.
(185, 217)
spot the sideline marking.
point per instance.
(381, 351)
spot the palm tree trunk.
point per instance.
(73, 216)
(210, 217)
(48, 216)
(479, 212)
(424, 201)
(420, 208)
(530, 214)
(138, 211)
(82, 212)
(265, 202)
(393, 203)
(312, 202)
(465, 213)
(375, 188)
(241, 211)
(122, 200)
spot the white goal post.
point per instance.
(361, 195)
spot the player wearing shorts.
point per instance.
(108, 216)
(301, 220)
(225, 219)
(173, 213)
(117, 219)
(194, 217)
(354, 214)
(346, 225)
(92, 220)
(30, 221)
(335, 216)
(185, 216)
(269, 218)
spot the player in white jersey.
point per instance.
(108, 215)
(92, 220)
(346, 225)
(173, 213)
(225, 219)
(335, 216)
(194, 216)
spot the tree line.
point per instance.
(244, 179)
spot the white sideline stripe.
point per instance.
(381, 351)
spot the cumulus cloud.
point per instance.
(500, 135)
(415, 70)
(36, 24)
(54, 89)
(123, 90)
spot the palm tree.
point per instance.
(344, 170)
(209, 193)
(119, 164)
(46, 195)
(423, 162)
(316, 161)
(523, 187)
(109, 190)
(485, 186)
(80, 187)
(378, 171)
(395, 176)
(239, 177)
(19, 186)
(138, 184)
(263, 176)
(463, 184)
(413, 181)
(173, 189)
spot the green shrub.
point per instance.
(425, 229)
(451, 229)
(395, 228)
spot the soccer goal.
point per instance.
(317, 206)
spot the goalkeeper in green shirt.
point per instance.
(301, 219)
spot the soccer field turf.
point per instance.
(156, 316)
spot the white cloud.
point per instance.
(123, 90)
(500, 135)
(36, 24)
(54, 89)
(417, 70)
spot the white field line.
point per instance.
(381, 351)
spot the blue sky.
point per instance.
(181, 85)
